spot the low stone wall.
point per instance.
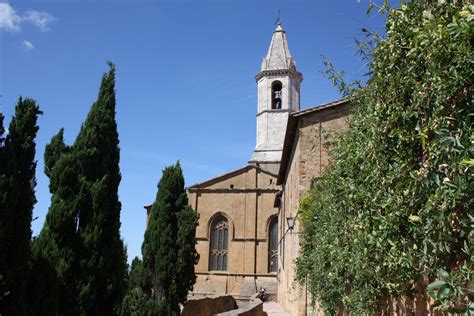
(209, 306)
(419, 304)
(255, 309)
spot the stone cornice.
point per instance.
(279, 72)
(230, 191)
(267, 150)
(225, 273)
(236, 239)
(275, 111)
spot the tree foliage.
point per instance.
(17, 198)
(169, 253)
(102, 253)
(57, 242)
(395, 207)
(81, 236)
(2, 131)
(135, 299)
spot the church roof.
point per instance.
(228, 175)
(278, 56)
(292, 126)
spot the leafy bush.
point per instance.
(395, 207)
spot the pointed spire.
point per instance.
(278, 56)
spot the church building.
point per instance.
(249, 233)
(237, 236)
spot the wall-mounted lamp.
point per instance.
(291, 222)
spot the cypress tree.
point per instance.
(3, 287)
(2, 130)
(43, 294)
(187, 254)
(81, 236)
(55, 250)
(17, 198)
(169, 252)
(103, 259)
(53, 151)
(135, 299)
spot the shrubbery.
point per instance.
(395, 207)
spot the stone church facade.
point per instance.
(249, 235)
(237, 218)
(237, 236)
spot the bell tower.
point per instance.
(278, 85)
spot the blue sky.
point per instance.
(185, 78)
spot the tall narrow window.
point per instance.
(273, 245)
(276, 95)
(219, 240)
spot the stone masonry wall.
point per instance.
(246, 199)
(309, 157)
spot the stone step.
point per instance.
(274, 309)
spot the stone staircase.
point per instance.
(243, 288)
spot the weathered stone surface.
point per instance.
(245, 197)
(209, 306)
(255, 309)
(306, 157)
(278, 56)
(274, 309)
(279, 66)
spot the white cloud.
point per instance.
(27, 45)
(40, 19)
(11, 21)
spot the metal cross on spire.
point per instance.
(278, 22)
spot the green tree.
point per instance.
(169, 253)
(81, 236)
(44, 294)
(135, 299)
(395, 207)
(53, 151)
(96, 153)
(3, 287)
(17, 198)
(55, 253)
(2, 130)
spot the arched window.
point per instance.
(276, 95)
(273, 245)
(219, 241)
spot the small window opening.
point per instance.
(273, 245)
(231, 186)
(276, 95)
(271, 181)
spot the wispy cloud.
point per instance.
(11, 21)
(27, 45)
(39, 19)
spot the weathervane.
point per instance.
(277, 22)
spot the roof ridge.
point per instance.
(321, 106)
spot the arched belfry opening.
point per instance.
(276, 95)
